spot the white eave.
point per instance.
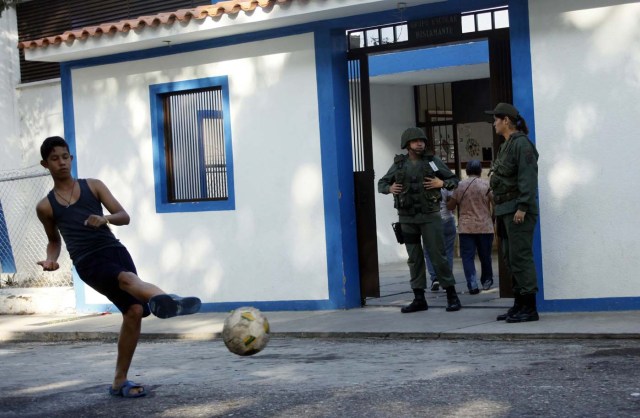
(147, 37)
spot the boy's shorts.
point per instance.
(100, 271)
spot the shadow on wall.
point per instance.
(587, 80)
(128, 170)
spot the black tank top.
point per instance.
(81, 240)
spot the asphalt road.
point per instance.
(329, 378)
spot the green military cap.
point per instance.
(504, 109)
(410, 134)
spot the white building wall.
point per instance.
(392, 111)
(586, 83)
(40, 116)
(28, 112)
(8, 81)
(273, 246)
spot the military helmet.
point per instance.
(410, 134)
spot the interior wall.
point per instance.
(392, 111)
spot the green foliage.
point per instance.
(5, 4)
(9, 281)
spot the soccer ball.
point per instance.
(245, 331)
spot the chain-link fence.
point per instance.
(22, 239)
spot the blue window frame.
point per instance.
(193, 158)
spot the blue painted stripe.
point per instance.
(429, 58)
(522, 80)
(522, 77)
(286, 305)
(337, 169)
(590, 305)
(68, 116)
(7, 262)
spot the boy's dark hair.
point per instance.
(474, 168)
(50, 143)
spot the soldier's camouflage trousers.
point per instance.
(430, 234)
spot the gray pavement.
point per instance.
(373, 361)
(380, 318)
(319, 377)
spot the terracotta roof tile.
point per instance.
(230, 7)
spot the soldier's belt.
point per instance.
(501, 198)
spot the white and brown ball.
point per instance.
(245, 331)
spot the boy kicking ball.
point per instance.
(73, 208)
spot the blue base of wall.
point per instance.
(285, 305)
(561, 305)
(288, 305)
(590, 305)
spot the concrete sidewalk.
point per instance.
(380, 318)
(367, 322)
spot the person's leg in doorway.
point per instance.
(468, 255)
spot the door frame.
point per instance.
(500, 91)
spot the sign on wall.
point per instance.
(434, 29)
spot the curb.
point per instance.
(50, 337)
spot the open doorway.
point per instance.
(442, 83)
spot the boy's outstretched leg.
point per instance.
(168, 306)
(161, 304)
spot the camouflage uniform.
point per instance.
(514, 182)
(419, 213)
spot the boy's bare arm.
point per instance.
(54, 245)
(117, 214)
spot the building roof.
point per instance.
(231, 7)
(222, 20)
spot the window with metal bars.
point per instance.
(435, 114)
(192, 138)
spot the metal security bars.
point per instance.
(355, 93)
(194, 140)
(435, 113)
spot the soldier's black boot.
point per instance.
(528, 312)
(419, 302)
(453, 302)
(517, 304)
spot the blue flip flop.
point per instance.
(125, 390)
(168, 306)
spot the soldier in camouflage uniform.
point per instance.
(415, 180)
(514, 182)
